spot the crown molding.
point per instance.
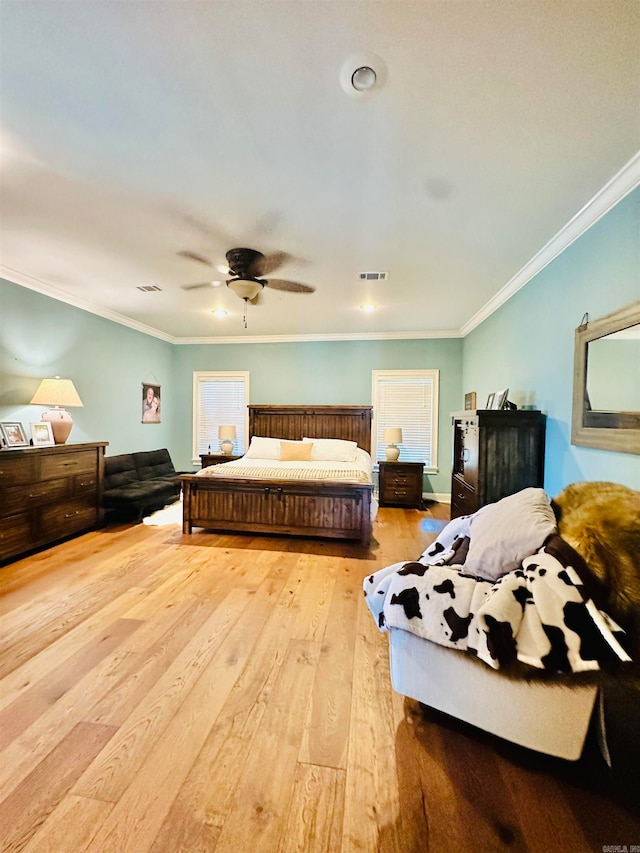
(36, 284)
(622, 183)
(338, 336)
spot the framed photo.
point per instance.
(470, 401)
(501, 399)
(13, 434)
(490, 400)
(150, 403)
(42, 434)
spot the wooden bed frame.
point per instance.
(294, 508)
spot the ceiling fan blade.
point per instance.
(198, 285)
(274, 261)
(194, 256)
(289, 286)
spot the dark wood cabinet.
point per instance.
(47, 494)
(401, 484)
(207, 459)
(495, 454)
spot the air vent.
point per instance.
(373, 276)
(148, 288)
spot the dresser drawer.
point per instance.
(15, 534)
(85, 485)
(464, 500)
(33, 494)
(15, 469)
(65, 464)
(64, 519)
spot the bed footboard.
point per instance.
(327, 510)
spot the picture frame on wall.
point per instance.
(150, 403)
(13, 434)
(42, 434)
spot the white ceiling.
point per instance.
(134, 130)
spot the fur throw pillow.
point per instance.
(601, 521)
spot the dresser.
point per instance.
(400, 484)
(495, 454)
(47, 494)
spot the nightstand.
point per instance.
(207, 459)
(401, 484)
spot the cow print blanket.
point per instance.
(538, 614)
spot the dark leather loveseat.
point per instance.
(136, 484)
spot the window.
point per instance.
(219, 398)
(407, 399)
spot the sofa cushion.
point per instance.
(153, 463)
(119, 470)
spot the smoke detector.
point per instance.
(363, 74)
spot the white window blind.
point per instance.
(219, 398)
(407, 399)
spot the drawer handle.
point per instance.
(87, 482)
(37, 495)
(71, 514)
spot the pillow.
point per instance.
(332, 449)
(295, 451)
(504, 533)
(263, 448)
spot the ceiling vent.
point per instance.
(373, 276)
(148, 288)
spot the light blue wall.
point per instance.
(527, 345)
(41, 337)
(325, 373)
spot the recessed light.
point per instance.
(368, 308)
(219, 312)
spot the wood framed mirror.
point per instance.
(606, 382)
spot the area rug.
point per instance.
(171, 514)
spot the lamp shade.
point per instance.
(227, 432)
(56, 392)
(393, 435)
(59, 393)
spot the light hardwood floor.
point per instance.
(219, 693)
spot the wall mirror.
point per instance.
(606, 382)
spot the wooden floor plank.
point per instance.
(264, 792)
(326, 734)
(70, 826)
(28, 806)
(314, 822)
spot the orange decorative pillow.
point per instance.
(295, 451)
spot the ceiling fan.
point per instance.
(247, 268)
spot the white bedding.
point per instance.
(358, 472)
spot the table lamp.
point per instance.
(227, 435)
(58, 393)
(392, 437)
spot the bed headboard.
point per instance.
(352, 423)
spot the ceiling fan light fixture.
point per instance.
(246, 288)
